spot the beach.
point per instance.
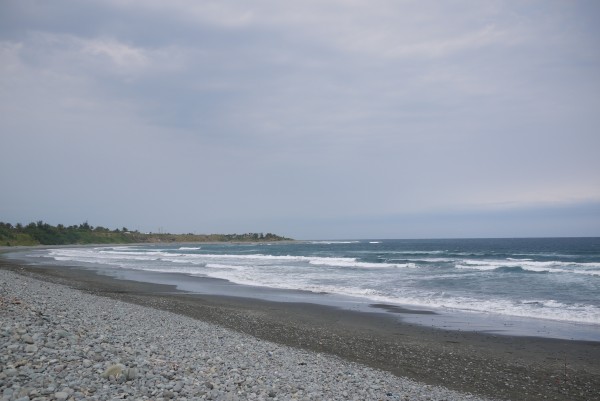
(378, 351)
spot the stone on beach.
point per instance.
(107, 349)
(27, 338)
(113, 370)
(30, 349)
(61, 395)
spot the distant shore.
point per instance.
(41, 233)
(516, 368)
(18, 248)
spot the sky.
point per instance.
(323, 119)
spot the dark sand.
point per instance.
(516, 368)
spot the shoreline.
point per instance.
(516, 368)
(437, 318)
(18, 248)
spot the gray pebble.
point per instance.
(31, 348)
(97, 348)
(61, 395)
(27, 339)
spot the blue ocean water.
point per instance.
(554, 279)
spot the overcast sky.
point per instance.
(311, 119)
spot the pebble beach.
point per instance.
(70, 333)
(59, 343)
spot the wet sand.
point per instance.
(507, 367)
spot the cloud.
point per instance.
(102, 55)
(324, 109)
(121, 55)
(487, 36)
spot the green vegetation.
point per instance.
(41, 233)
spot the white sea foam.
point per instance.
(534, 266)
(226, 267)
(353, 263)
(189, 248)
(313, 260)
(393, 281)
(334, 242)
(416, 252)
(424, 260)
(540, 309)
(107, 257)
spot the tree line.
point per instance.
(41, 233)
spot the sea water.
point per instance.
(552, 279)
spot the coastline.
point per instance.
(516, 368)
(474, 320)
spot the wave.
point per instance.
(226, 267)
(518, 269)
(422, 260)
(311, 260)
(352, 276)
(592, 269)
(334, 242)
(539, 309)
(353, 263)
(417, 252)
(189, 248)
(536, 309)
(120, 257)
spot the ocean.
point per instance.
(543, 280)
